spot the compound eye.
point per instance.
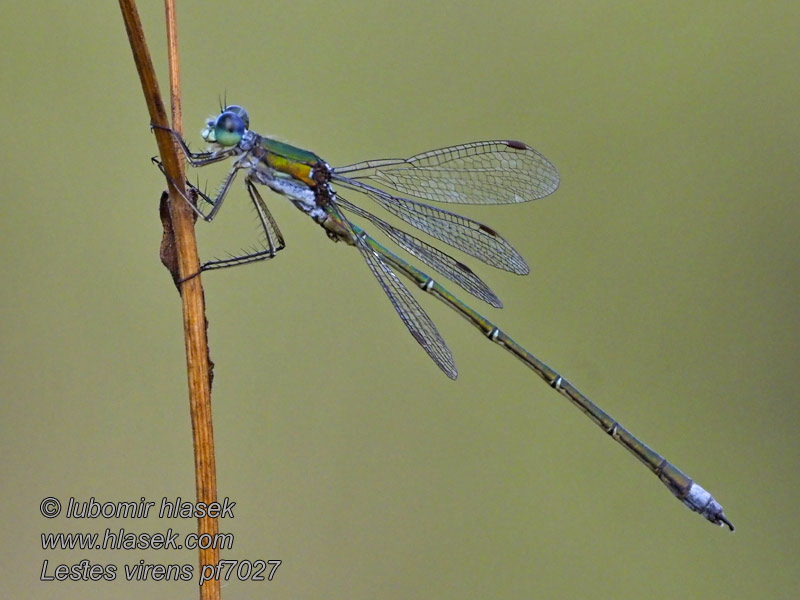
(228, 129)
(241, 113)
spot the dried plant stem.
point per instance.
(179, 252)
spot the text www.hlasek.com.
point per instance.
(124, 540)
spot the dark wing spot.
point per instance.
(516, 145)
(488, 230)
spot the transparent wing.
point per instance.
(467, 235)
(493, 172)
(445, 264)
(415, 318)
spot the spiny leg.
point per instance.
(272, 234)
(216, 203)
(197, 159)
(200, 159)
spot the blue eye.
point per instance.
(229, 128)
(240, 112)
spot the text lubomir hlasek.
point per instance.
(168, 509)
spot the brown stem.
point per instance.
(180, 250)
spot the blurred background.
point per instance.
(664, 284)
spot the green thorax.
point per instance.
(291, 160)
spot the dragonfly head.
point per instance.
(228, 128)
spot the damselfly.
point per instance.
(493, 172)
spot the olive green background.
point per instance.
(664, 283)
